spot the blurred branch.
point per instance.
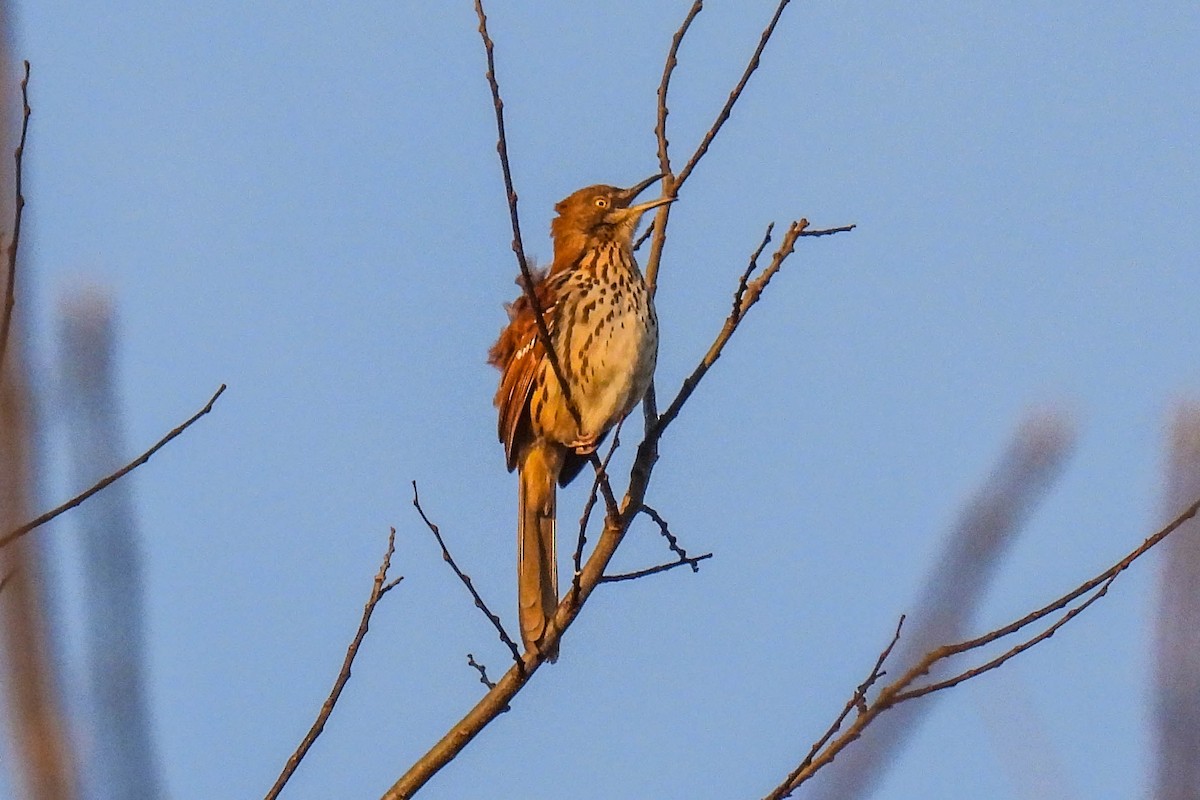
(379, 587)
(1176, 716)
(954, 589)
(907, 687)
(121, 761)
(36, 523)
(10, 294)
(466, 580)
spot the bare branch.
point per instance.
(722, 117)
(466, 580)
(33, 524)
(903, 688)
(7, 577)
(665, 530)
(828, 231)
(660, 129)
(527, 281)
(10, 296)
(727, 109)
(683, 560)
(663, 215)
(857, 702)
(379, 587)
(747, 294)
(970, 555)
(482, 670)
(585, 517)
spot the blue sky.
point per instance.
(302, 201)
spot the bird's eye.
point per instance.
(601, 202)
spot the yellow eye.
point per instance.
(601, 202)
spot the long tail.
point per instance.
(537, 558)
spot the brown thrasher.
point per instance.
(604, 332)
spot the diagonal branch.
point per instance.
(905, 688)
(684, 560)
(466, 580)
(747, 294)
(734, 95)
(592, 574)
(10, 297)
(682, 557)
(527, 281)
(379, 587)
(33, 524)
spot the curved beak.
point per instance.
(633, 191)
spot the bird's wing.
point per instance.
(520, 354)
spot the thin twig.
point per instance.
(660, 128)
(33, 524)
(665, 530)
(691, 561)
(857, 702)
(711, 134)
(663, 215)
(466, 580)
(379, 587)
(991, 664)
(585, 517)
(828, 231)
(10, 296)
(482, 670)
(744, 281)
(727, 109)
(7, 577)
(518, 248)
(747, 294)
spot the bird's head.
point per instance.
(600, 213)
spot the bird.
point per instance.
(600, 317)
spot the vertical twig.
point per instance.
(10, 290)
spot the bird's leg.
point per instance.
(585, 445)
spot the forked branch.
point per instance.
(908, 686)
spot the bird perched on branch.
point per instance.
(601, 323)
